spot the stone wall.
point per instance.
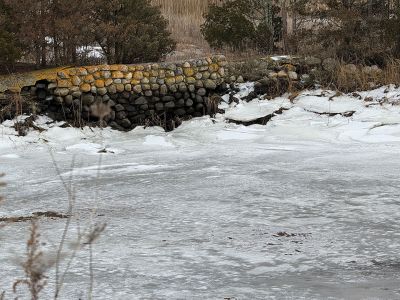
(124, 96)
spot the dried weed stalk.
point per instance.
(37, 264)
(34, 266)
(349, 78)
(85, 239)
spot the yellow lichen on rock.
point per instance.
(99, 83)
(19, 80)
(85, 88)
(214, 67)
(138, 75)
(117, 75)
(188, 72)
(63, 83)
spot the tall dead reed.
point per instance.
(349, 78)
(185, 18)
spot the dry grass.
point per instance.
(185, 18)
(13, 107)
(16, 102)
(349, 78)
(391, 74)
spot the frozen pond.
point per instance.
(306, 207)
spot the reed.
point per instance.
(185, 18)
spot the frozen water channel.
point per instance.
(306, 207)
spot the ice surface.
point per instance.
(305, 207)
(256, 109)
(334, 105)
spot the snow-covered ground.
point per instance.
(304, 207)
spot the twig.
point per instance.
(34, 268)
(71, 201)
(91, 275)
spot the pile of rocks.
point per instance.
(276, 75)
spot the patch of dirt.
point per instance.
(36, 215)
(105, 151)
(286, 234)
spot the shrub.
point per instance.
(242, 24)
(363, 32)
(131, 31)
(391, 29)
(10, 50)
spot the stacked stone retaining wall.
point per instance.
(124, 96)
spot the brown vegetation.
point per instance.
(36, 215)
(349, 78)
(34, 266)
(185, 18)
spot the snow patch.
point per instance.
(152, 140)
(10, 156)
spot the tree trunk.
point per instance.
(74, 55)
(38, 55)
(44, 54)
(56, 50)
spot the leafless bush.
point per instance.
(34, 267)
(14, 105)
